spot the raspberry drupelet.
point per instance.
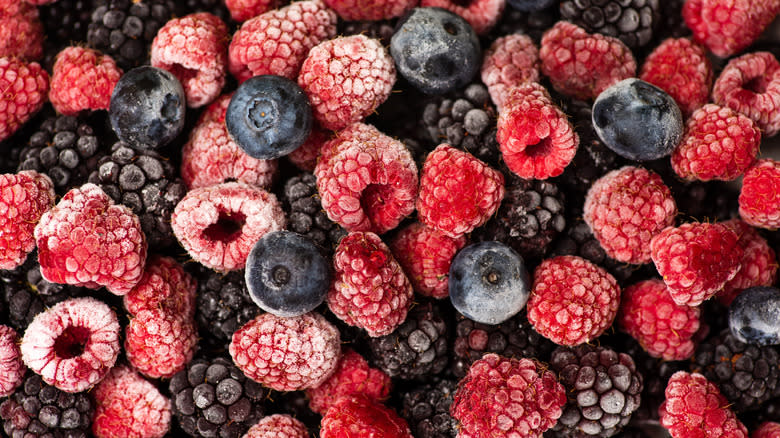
(160, 344)
(21, 32)
(24, 198)
(510, 61)
(26, 86)
(165, 285)
(242, 10)
(82, 79)
(364, 417)
(12, 367)
(277, 426)
(759, 262)
(759, 198)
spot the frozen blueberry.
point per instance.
(147, 107)
(436, 50)
(286, 274)
(754, 316)
(269, 117)
(488, 282)
(637, 120)
(530, 5)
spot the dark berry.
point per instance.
(754, 316)
(223, 305)
(427, 410)
(530, 5)
(630, 21)
(305, 214)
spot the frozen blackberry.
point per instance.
(305, 214)
(768, 411)
(672, 24)
(216, 7)
(65, 23)
(533, 24)
(633, 22)
(381, 30)
(710, 201)
(427, 410)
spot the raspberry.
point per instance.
(305, 157)
(278, 41)
(581, 65)
(366, 179)
(21, 32)
(535, 137)
(718, 143)
(681, 68)
(370, 10)
(218, 225)
(482, 15)
(458, 192)
(662, 327)
(159, 343)
(572, 300)
(165, 285)
(287, 354)
(363, 417)
(346, 79)
(368, 288)
(511, 60)
(759, 265)
(85, 240)
(696, 260)
(24, 197)
(425, 255)
(82, 79)
(759, 198)
(627, 207)
(767, 429)
(277, 426)
(194, 49)
(507, 397)
(216, 110)
(73, 344)
(25, 88)
(11, 366)
(694, 408)
(242, 10)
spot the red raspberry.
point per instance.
(696, 260)
(194, 49)
(218, 225)
(165, 285)
(458, 192)
(507, 397)
(25, 88)
(750, 85)
(425, 255)
(581, 65)
(346, 79)
(370, 10)
(366, 179)
(216, 110)
(82, 79)
(759, 198)
(287, 354)
(353, 376)
(24, 197)
(511, 60)
(12, 368)
(767, 429)
(21, 32)
(305, 157)
(277, 426)
(159, 343)
(362, 417)
(681, 68)
(627, 207)
(759, 265)
(73, 344)
(368, 288)
(85, 240)
(662, 327)
(482, 15)
(278, 41)
(695, 408)
(242, 10)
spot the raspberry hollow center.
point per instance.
(72, 342)
(227, 228)
(540, 149)
(374, 197)
(756, 85)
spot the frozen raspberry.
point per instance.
(159, 343)
(73, 344)
(662, 327)
(695, 408)
(767, 429)
(194, 49)
(165, 285)
(305, 157)
(24, 197)
(370, 10)
(242, 10)
(581, 65)
(216, 110)
(366, 179)
(353, 376)
(287, 354)
(368, 288)
(12, 368)
(458, 192)
(750, 85)
(572, 300)
(627, 207)
(82, 79)
(86, 240)
(362, 417)
(21, 32)
(277, 426)
(507, 397)
(346, 79)
(696, 260)
(218, 225)
(681, 68)
(535, 137)
(759, 265)
(25, 88)
(278, 41)
(511, 60)
(759, 198)
(482, 15)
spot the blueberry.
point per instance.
(269, 117)
(530, 5)
(147, 107)
(436, 50)
(488, 282)
(286, 274)
(637, 120)
(754, 316)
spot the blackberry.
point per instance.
(533, 24)
(213, 398)
(427, 410)
(672, 24)
(632, 21)
(768, 411)
(305, 214)
(381, 30)
(65, 23)
(216, 7)
(711, 201)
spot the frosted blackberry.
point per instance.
(65, 23)
(427, 410)
(223, 305)
(381, 30)
(305, 214)
(533, 24)
(672, 24)
(633, 22)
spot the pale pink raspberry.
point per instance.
(12, 368)
(24, 197)
(82, 79)
(277, 426)
(242, 10)
(511, 60)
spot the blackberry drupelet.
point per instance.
(305, 214)
(381, 30)
(427, 410)
(633, 22)
(533, 24)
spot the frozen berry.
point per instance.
(754, 316)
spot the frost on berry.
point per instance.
(510, 61)
(26, 86)
(278, 426)
(24, 198)
(728, 27)
(759, 198)
(11, 366)
(160, 344)
(165, 285)
(82, 79)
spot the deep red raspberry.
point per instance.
(82, 79)
(305, 157)
(627, 207)
(535, 137)
(24, 197)
(218, 225)
(12, 368)
(159, 343)
(482, 15)
(287, 354)
(581, 65)
(681, 68)
(278, 41)
(165, 285)
(759, 198)
(368, 288)
(759, 265)
(695, 408)
(21, 32)
(458, 192)
(767, 429)
(362, 417)
(511, 60)
(277, 426)
(242, 10)
(366, 179)
(507, 397)
(696, 260)
(73, 344)
(194, 49)
(25, 88)
(370, 10)
(86, 240)
(662, 327)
